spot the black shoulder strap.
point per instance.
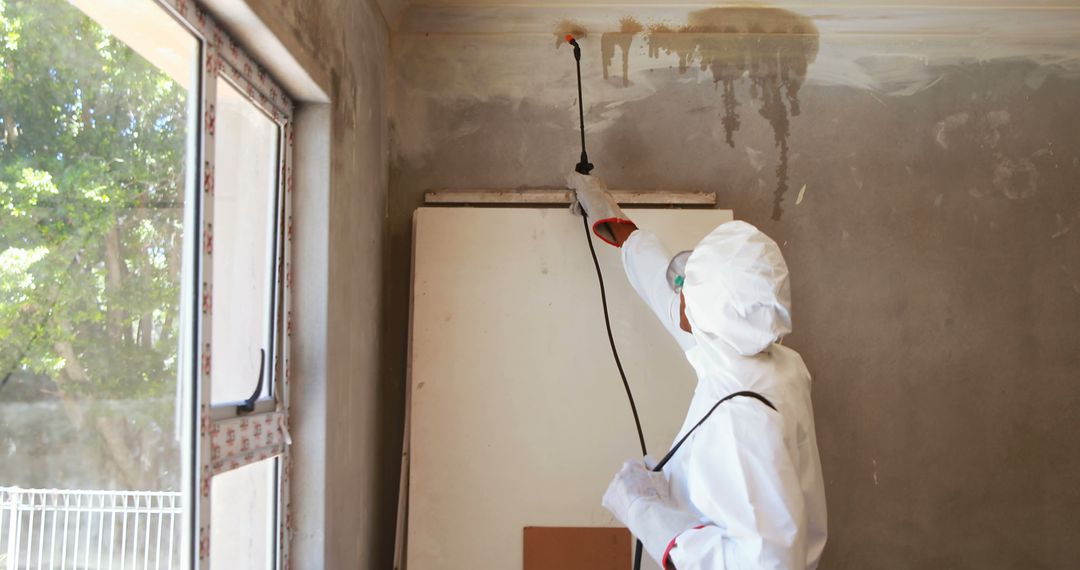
(679, 444)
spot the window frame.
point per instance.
(266, 402)
(218, 438)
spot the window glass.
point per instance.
(245, 186)
(95, 122)
(242, 517)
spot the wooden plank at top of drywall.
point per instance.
(559, 196)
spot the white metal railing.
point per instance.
(62, 529)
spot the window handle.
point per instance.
(249, 404)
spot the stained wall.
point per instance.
(919, 167)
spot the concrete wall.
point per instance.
(341, 516)
(922, 177)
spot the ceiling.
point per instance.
(537, 16)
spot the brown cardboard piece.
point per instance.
(577, 548)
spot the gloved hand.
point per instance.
(592, 199)
(640, 499)
(633, 482)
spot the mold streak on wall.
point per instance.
(770, 48)
(920, 168)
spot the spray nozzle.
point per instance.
(577, 48)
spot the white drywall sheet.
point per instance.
(518, 415)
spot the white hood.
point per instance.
(737, 289)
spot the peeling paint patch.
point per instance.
(856, 176)
(802, 194)
(756, 158)
(947, 126)
(1063, 228)
(1016, 179)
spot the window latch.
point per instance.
(249, 404)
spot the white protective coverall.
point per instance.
(750, 476)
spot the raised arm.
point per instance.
(645, 260)
(592, 199)
(644, 257)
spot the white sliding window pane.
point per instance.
(245, 186)
(242, 517)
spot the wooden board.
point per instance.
(577, 548)
(551, 197)
(518, 416)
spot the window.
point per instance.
(245, 181)
(144, 290)
(242, 517)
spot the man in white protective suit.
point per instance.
(745, 489)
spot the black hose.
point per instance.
(611, 338)
(581, 115)
(618, 363)
(585, 167)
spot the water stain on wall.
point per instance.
(568, 27)
(770, 49)
(623, 39)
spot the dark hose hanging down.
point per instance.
(585, 167)
(611, 338)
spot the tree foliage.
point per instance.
(91, 201)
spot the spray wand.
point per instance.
(585, 167)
